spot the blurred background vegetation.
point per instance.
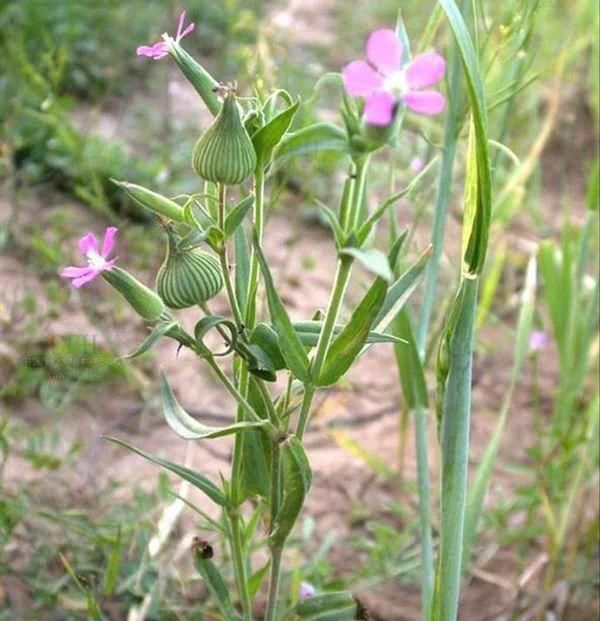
(78, 107)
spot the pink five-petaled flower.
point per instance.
(383, 81)
(97, 258)
(159, 49)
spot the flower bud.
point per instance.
(142, 299)
(224, 153)
(188, 277)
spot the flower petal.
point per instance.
(379, 108)
(384, 50)
(425, 102)
(187, 30)
(156, 51)
(109, 241)
(73, 271)
(360, 79)
(82, 280)
(87, 243)
(180, 25)
(425, 70)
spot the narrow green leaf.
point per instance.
(410, 367)
(296, 482)
(366, 228)
(345, 347)
(242, 267)
(309, 332)
(111, 574)
(454, 440)
(256, 448)
(400, 291)
(236, 216)
(373, 260)
(266, 338)
(188, 427)
(213, 579)
(333, 222)
(478, 240)
(268, 136)
(209, 322)
(161, 328)
(257, 578)
(311, 139)
(197, 480)
(289, 342)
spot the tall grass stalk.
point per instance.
(456, 347)
(452, 127)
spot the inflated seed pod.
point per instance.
(224, 153)
(187, 277)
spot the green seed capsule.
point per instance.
(188, 277)
(224, 153)
(141, 298)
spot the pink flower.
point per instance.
(97, 259)
(538, 341)
(307, 590)
(159, 49)
(383, 81)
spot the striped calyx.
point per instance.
(187, 277)
(224, 153)
(141, 298)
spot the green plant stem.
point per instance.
(237, 553)
(258, 218)
(454, 440)
(233, 391)
(451, 131)
(274, 579)
(427, 569)
(233, 303)
(342, 276)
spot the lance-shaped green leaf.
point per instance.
(159, 330)
(454, 441)
(366, 228)
(312, 139)
(266, 338)
(479, 230)
(400, 291)
(346, 347)
(256, 448)
(242, 267)
(309, 332)
(373, 260)
(194, 478)
(335, 606)
(203, 552)
(412, 375)
(291, 347)
(268, 136)
(333, 222)
(236, 215)
(188, 427)
(257, 578)
(152, 200)
(214, 321)
(297, 478)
